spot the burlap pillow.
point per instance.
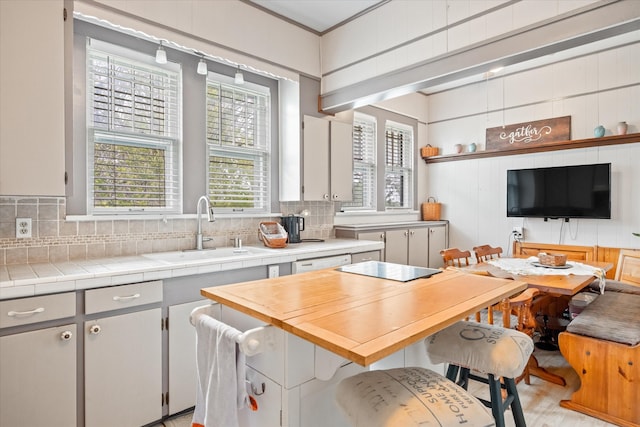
(408, 397)
(485, 348)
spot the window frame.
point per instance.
(405, 165)
(167, 137)
(260, 152)
(367, 166)
(192, 122)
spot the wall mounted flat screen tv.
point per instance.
(582, 191)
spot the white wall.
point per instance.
(599, 88)
(230, 29)
(402, 33)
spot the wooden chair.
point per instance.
(454, 257)
(485, 253)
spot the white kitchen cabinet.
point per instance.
(408, 246)
(438, 240)
(123, 356)
(327, 160)
(365, 256)
(182, 355)
(23, 144)
(38, 377)
(38, 366)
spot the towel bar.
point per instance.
(251, 342)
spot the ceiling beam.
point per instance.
(592, 23)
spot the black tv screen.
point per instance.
(582, 191)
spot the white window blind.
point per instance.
(238, 140)
(133, 129)
(398, 166)
(364, 164)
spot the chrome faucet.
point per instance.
(210, 218)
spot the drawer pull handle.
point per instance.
(126, 297)
(66, 335)
(25, 313)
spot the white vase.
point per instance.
(622, 128)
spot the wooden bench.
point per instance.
(573, 253)
(602, 345)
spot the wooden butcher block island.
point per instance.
(359, 317)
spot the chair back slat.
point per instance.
(485, 252)
(454, 257)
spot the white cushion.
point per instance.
(408, 397)
(485, 348)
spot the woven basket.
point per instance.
(553, 260)
(428, 151)
(272, 234)
(431, 210)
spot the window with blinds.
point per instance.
(238, 141)
(398, 190)
(364, 164)
(133, 128)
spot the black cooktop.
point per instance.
(387, 270)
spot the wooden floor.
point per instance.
(540, 400)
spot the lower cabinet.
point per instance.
(38, 361)
(417, 244)
(182, 355)
(38, 377)
(123, 356)
(123, 370)
(408, 246)
(438, 240)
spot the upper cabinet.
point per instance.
(32, 106)
(327, 160)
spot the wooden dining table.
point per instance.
(359, 317)
(549, 285)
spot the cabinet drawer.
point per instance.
(37, 309)
(125, 296)
(365, 256)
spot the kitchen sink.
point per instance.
(206, 254)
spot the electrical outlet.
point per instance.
(274, 271)
(23, 228)
(518, 233)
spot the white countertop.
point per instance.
(22, 280)
(390, 225)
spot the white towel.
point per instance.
(221, 387)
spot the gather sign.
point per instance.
(528, 134)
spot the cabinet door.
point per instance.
(419, 247)
(376, 236)
(341, 161)
(38, 378)
(437, 242)
(22, 85)
(123, 370)
(396, 246)
(365, 256)
(316, 159)
(182, 356)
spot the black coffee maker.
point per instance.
(293, 224)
